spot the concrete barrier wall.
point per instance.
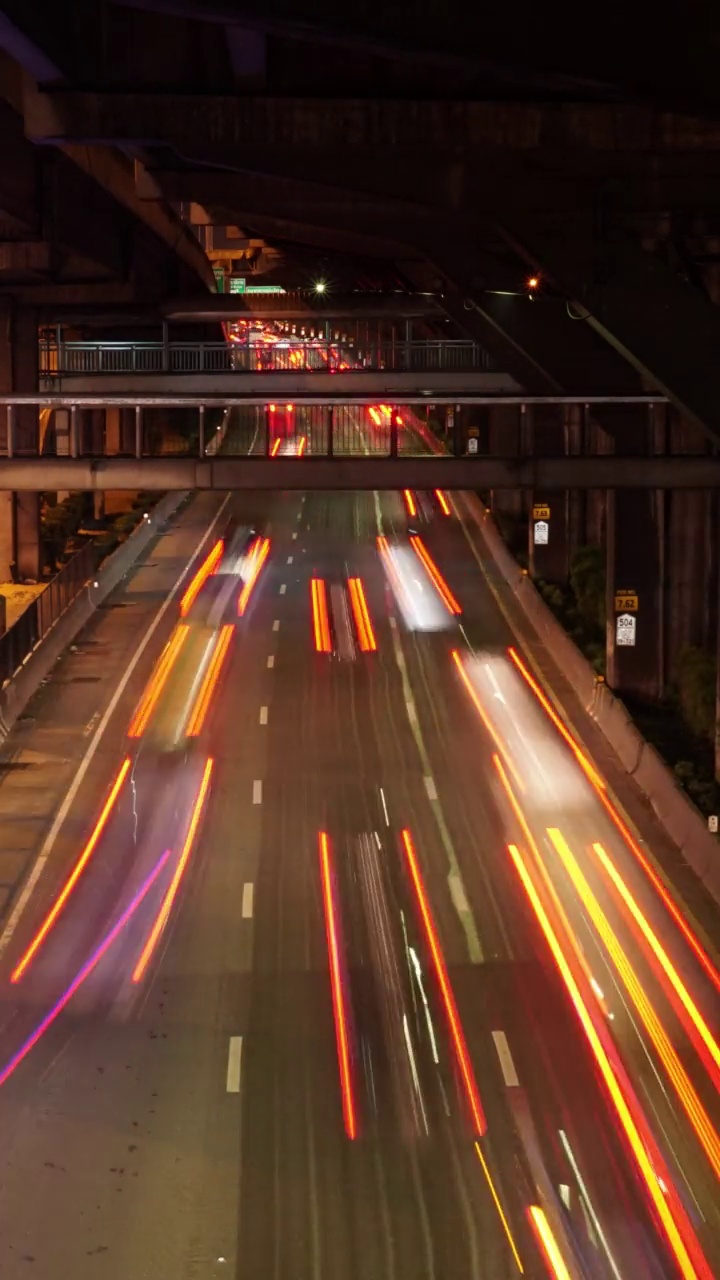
(39, 662)
(685, 825)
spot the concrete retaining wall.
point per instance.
(685, 825)
(39, 662)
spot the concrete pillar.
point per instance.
(548, 524)
(635, 570)
(113, 430)
(20, 513)
(504, 442)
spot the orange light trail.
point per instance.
(276, 446)
(207, 567)
(301, 446)
(157, 681)
(361, 614)
(671, 906)
(453, 1017)
(210, 679)
(694, 1109)
(498, 1206)
(74, 876)
(444, 504)
(671, 973)
(321, 624)
(338, 994)
(375, 416)
(167, 903)
(441, 585)
(258, 555)
(549, 1247)
(410, 502)
(582, 759)
(475, 698)
(645, 1165)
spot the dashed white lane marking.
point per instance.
(276, 624)
(271, 660)
(283, 588)
(263, 715)
(257, 791)
(411, 712)
(430, 787)
(299, 515)
(458, 895)
(247, 900)
(234, 1064)
(290, 559)
(294, 536)
(94, 743)
(507, 1066)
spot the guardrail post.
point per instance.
(138, 431)
(201, 431)
(73, 431)
(10, 410)
(165, 347)
(331, 428)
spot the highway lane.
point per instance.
(335, 733)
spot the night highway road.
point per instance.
(338, 959)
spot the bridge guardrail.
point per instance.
(97, 358)
(43, 612)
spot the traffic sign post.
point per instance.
(626, 630)
(541, 533)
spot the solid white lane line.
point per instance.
(283, 589)
(276, 624)
(290, 559)
(271, 660)
(247, 900)
(234, 1064)
(507, 1066)
(385, 808)
(94, 743)
(257, 791)
(263, 715)
(430, 788)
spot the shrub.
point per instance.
(587, 579)
(695, 690)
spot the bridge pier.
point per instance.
(20, 552)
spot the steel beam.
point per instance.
(26, 474)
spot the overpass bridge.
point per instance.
(347, 441)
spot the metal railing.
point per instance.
(83, 358)
(43, 612)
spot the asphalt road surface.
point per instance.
(203, 1121)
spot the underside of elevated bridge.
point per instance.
(493, 173)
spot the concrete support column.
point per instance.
(548, 556)
(635, 570)
(20, 513)
(504, 442)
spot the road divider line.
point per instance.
(263, 715)
(44, 854)
(507, 1066)
(276, 625)
(75, 874)
(257, 791)
(337, 989)
(290, 559)
(294, 535)
(430, 788)
(166, 906)
(451, 1011)
(271, 661)
(283, 588)
(248, 898)
(232, 1083)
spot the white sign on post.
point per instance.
(625, 628)
(541, 533)
(713, 823)
(472, 445)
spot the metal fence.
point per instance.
(35, 621)
(293, 357)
